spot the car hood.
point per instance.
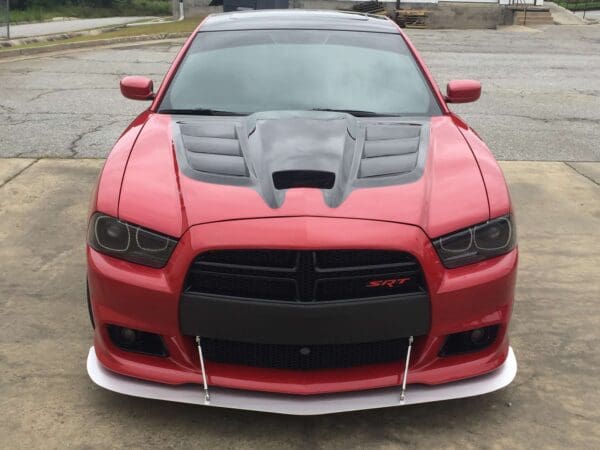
(189, 170)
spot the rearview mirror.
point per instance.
(137, 88)
(463, 91)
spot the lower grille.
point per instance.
(299, 357)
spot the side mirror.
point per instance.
(137, 88)
(463, 91)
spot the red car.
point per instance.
(298, 224)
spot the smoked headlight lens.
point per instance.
(474, 244)
(123, 240)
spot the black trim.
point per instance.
(274, 322)
(303, 357)
(89, 303)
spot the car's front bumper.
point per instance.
(302, 404)
(146, 299)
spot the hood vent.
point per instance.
(390, 150)
(214, 149)
(318, 179)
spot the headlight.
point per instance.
(476, 243)
(123, 240)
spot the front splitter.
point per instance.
(303, 405)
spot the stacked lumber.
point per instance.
(411, 18)
(370, 7)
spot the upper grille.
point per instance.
(305, 275)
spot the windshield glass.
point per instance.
(265, 70)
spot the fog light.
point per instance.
(128, 336)
(137, 341)
(478, 336)
(469, 341)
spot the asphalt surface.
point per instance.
(541, 92)
(537, 106)
(67, 26)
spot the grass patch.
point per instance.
(185, 26)
(133, 8)
(578, 5)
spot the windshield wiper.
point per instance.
(217, 112)
(201, 112)
(354, 112)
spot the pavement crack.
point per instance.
(590, 92)
(53, 91)
(11, 121)
(541, 119)
(41, 94)
(6, 109)
(74, 143)
(582, 174)
(9, 179)
(76, 114)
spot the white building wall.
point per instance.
(500, 2)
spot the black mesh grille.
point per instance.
(298, 357)
(305, 275)
(331, 259)
(278, 259)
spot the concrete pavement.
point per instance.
(67, 26)
(589, 15)
(49, 402)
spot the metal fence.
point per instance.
(4, 19)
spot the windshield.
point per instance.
(243, 72)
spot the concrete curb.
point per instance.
(56, 37)
(4, 54)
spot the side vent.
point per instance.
(390, 150)
(287, 179)
(214, 149)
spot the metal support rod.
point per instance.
(8, 19)
(181, 14)
(204, 380)
(406, 363)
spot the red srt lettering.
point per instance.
(388, 283)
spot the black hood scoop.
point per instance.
(318, 179)
(280, 150)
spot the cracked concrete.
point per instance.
(49, 402)
(11, 168)
(589, 170)
(541, 92)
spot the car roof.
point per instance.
(298, 19)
